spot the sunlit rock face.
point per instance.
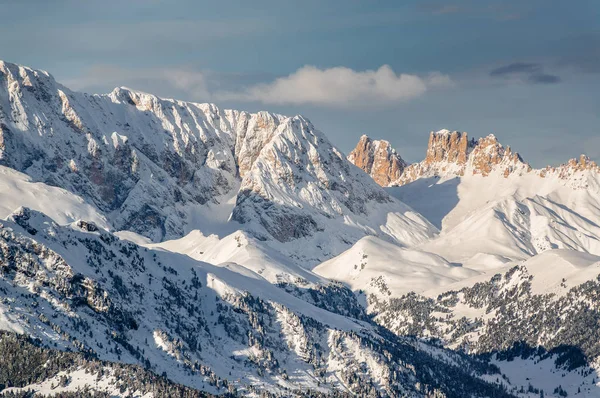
(378, 159)
(143, 159)
(449, 153)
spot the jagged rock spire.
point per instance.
(378, 159)
(448, 153)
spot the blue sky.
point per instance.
(527, 71)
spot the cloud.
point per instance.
(167, 82)
(340, 87)
(530, 72)
(542, 78)
(334, 87)
(517, 67)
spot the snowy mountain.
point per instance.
(542, 312)
(192, 250)
(498, 218)
(217, 329)
(158, 167)
(493, 209)
(143, 160)
(486, 200)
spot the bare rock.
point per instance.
(378, 159)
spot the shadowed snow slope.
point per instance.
(514, 217)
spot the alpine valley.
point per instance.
(153, 247)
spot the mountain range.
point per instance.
(156, 247)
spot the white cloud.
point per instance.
(166, 82)
(340, 87)
(334, 87)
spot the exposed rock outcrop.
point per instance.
(452, 153)
(449, 153)
(488, 154)
(447, 146)
(584, 163)
(378, 159)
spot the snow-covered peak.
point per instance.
(145, 160)
(302, 188)
(157, 167)
(16, 72)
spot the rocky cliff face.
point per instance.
(448, 153)
(150, 164)
(452, 153)
(378, 159)
(447, 146)
(143, 159)
(488, 155)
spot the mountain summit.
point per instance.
(378, 159)
(453, 153)
(158, 167)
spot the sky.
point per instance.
(526, 70)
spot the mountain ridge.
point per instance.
(150, 162)
(452, 153)
(243, 252)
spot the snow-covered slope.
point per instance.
(30, 369)
(17, 189)
(143, 160)
(222, 248)
(375, 266)
(212, 328)
(245, 250)
(508, 218)
(161, 167)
